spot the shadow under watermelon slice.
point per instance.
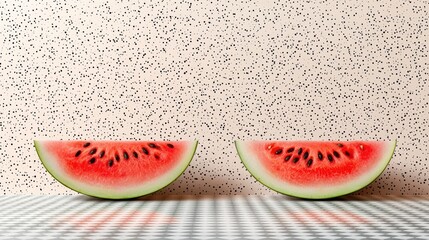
(115, 169)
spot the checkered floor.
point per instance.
(221, 217)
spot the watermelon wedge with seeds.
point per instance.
(115, 169)
(315, 169)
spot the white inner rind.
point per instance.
(51, 164)
(260, 172)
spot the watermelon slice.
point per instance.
(115, 169)
(315, 169)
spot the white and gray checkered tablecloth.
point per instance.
(214, 217)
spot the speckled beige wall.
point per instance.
(215, 71)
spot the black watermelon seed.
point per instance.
(295, 160)
(157, 156)
(299, 151)
(288, 157)
(110, 163)
(86, 144)
(336, 154)
(145, 151)
(94, 150)
(340, 145)
(126, 156)
(305, 155)
(279, 151)
(290, 149)
(309, 162)
(135, 154)
(117, 157)
(170, 145)
(151, 145)
(92, 161)
(320, 155)
(347, 153)
(330, 157)
(102, 154)
(78, 153)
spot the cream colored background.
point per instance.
(215, 71)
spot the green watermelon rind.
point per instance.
(95, 192)
(258, 173)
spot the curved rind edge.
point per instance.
(113, 197)
(239, 145)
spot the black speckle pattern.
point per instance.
(214, 71)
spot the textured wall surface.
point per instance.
(214, 71)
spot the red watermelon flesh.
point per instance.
(316, 169)
(115, 169)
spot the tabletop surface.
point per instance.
(214, 217)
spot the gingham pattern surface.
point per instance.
(210, 217)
